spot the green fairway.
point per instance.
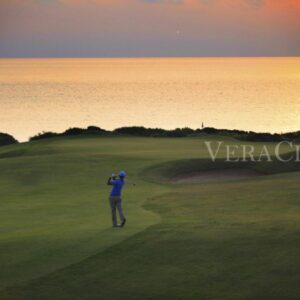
(231, 239)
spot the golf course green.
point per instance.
(216, 239)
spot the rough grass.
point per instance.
(226, 240)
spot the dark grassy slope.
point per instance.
(6, 139)
(225, 240)
(165, 172)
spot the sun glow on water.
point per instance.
(260, 94)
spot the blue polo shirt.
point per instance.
(117, 187)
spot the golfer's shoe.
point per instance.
(117, 226)
(123, 223)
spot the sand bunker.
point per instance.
(211, 175)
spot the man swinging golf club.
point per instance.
(115, 199)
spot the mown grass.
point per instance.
(219, 240)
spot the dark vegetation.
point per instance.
(6, 139)
(178, 132)
(74, 131)
(140, 131)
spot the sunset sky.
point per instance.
(109, 28)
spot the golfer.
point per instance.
(115, 198)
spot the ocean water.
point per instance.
(260, 94)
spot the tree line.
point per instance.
(141, 131)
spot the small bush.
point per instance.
(44, 135)
(7, 139)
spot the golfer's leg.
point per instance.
(113, 211)
(120, 209)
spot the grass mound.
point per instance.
(170, 170)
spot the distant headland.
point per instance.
(140, 131)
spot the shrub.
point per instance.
(7, 139)
(43, 135)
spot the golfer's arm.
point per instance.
(109, 181)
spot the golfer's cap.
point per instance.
(122, 174)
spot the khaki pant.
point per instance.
(116, 203)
